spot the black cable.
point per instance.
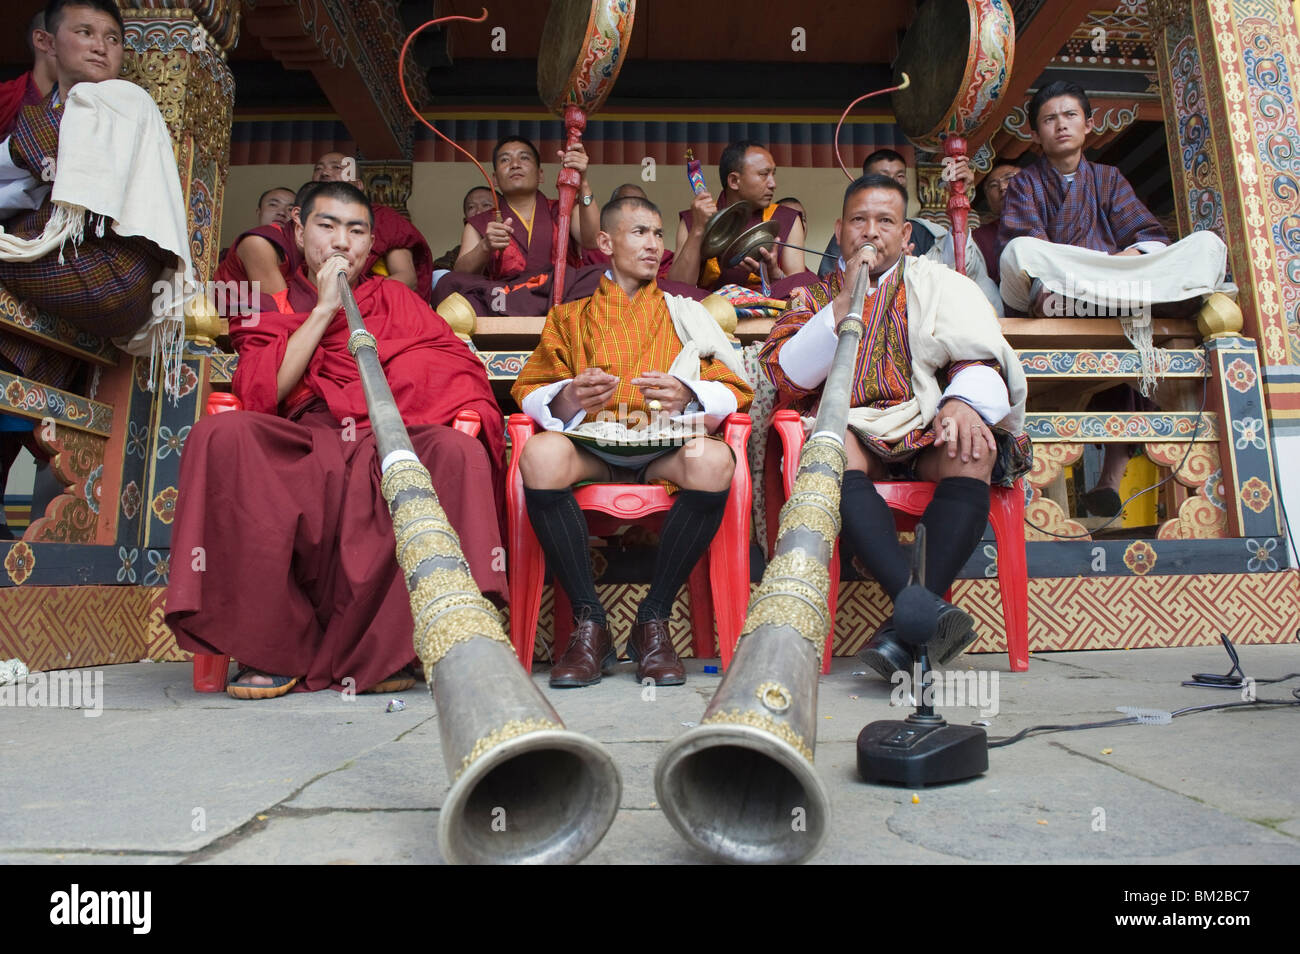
(1205, 392)
(1134, 720)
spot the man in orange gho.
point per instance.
(632, 352)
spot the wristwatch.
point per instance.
(586, 200)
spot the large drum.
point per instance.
(584, 43)
(959, 53)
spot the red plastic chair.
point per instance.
(909, 500)
(721, 587)
(211, 670)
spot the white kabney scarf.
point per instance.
(948, 319)
(116, 161)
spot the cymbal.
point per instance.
(746, 244)
(724, 226)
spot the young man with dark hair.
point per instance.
(1078, 241)
(92, 256)
(746, 172)
(506, 267)
(399, 249)
(938, 395)
(624, 356)
(298, 578)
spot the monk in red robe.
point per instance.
(285, 549)
(263, 258)
(748, 172)
(400, 251)
(506, 267)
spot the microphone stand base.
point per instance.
(920, 751)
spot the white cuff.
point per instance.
(537, 405)
(717, 402)
(806, 357)
(983, 389)
(1150, 245)
(19, 189)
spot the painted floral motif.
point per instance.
(160, 568)
(164, 504)
(126, 572)
(14, 394)
(1213, 489)
(1255, 494)
(136, 439)
(93, 487)
(991, 552)
(1261, 555)
(188, 380)
(1250, 433)
(168, 442)
(131, 500)
(20, 562)
(1240, 375)
(1140, 557)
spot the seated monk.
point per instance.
(477, 199)
(34, 85)
(995, 187)
(1078, 241)
(938, 395)
(506, 267)
(603, 358)
(263, 257)
(399, 251)
(288, 547)
(747, 172)
(89, 248)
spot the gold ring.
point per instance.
(655, 405)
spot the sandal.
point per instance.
(280, 685)
(399, 681)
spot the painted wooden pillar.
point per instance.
(176, 50)
(1229, 92)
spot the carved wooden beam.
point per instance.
(351, 48)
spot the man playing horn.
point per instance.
(284, 547)
(600, 358)
(938, 395)
(400, 250)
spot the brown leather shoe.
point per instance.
(589, 654)
(656, 659)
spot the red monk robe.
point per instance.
(284, 549)
(392, 230)
(518, 279)
(231, 267)
(714, 273)
(14, 95)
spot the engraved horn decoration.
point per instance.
(741, 785)
(524, 788)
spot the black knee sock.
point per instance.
(688, 530)
(870, 532)
(954, 523)
(562, 531)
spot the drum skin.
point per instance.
(583, 46)
(958, 54)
